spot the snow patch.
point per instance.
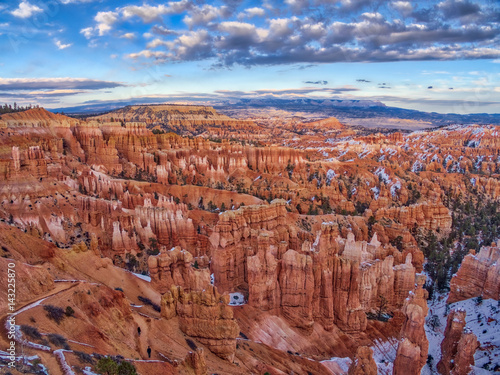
(236, 299)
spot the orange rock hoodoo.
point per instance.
(458, 346)
(478, 275)
(328, 279)
(204, 315)
(413, 347)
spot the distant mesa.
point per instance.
(181, 119)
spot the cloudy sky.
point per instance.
(441, 56)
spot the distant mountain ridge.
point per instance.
(344, 110)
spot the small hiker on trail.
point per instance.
(149, 351)
(138, 331)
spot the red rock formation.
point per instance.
(231, 240)
(465, 353)
(452, 335)
(413, 347)
(262, 272)
(363, 363)
(297, 286)
(429, 216)
(176, 267)
(478, 275)
(204, 315)
(196, 362)
(349, 315)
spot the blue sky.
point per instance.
(441, 56)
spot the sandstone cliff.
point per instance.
(204, 315)
(363, 363)
(413, 347)
(478, 275)
(458, 346)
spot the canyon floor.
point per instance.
(249, 245)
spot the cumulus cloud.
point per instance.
(458, 8)
(404, 7)
(398, 30)
(205, 14)
(160, 30)
(252, 12)
(55, 84)
(150, 13)
(88, 32)
(60, 45)
(104, 21)
(129, 36)
(26, 10)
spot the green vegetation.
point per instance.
(474, 224)
(110, 366)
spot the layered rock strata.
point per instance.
(204, 315)
(478, 275)
(413, 346)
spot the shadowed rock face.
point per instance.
(204, 315)
(413, 347)
(458, 346)
(478, 275)
(363, 363)
(466, 349)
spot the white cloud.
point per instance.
(130, 36)
(60, 45)
(150, 13)
(104, 21)
(87, 32)
(204, 15)
(75, 1)
(26, 10)
(148, 54)
(404, 7)
(252, 12)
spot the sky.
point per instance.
(430, 55)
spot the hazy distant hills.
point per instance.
(353, 112)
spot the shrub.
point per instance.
(191, 344)
(58, 340)
(31, 332)
(69, 311)
(55, 313)
(126, 368)
(106, 366)
(147, 301)
(84, 357)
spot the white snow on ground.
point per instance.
(81, 343)
(143, 277)
(237, 299)
(59, 353)
(88, 371)
(395, 188)
(330, 175)
(380, 172)
(417, 166)
(483, 320)
(384, 353)
(342, 362)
